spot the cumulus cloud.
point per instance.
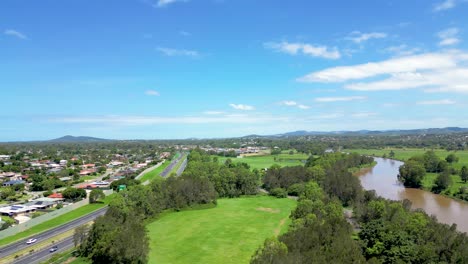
(178, 52)
(359, 37)
(448, 37)
(339, 99)
(14, 33)
(242, 107)
(152, 93)
(304, 48)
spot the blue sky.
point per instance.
(148, 69)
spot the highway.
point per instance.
(43, 255)
(21, 244)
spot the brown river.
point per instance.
(383, 179)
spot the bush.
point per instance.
(47, 193)
(279, 193)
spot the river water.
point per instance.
(383, 178)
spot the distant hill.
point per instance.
(446, 130)
(72, 139)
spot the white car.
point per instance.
(31, 241)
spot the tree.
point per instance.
(451, 158)
(391, 154)
(74, 194)
(411, 174)
(80, 235)
(279, 193)
(442, 182)
(431, 161)
(95, 195)
(464, 174)
(272, 251)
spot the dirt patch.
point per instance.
(70, 260)
(278, 229)
(268, 210)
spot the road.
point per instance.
(182, 167)
(21, 244)
(43, 255)
(171, 166)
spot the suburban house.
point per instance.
(14, 182)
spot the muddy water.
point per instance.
(383, 179)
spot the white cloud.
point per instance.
(242, 107)
(402, 50)
(448, 37)
(14, 33)
(445, 5)
(306, 49)
(428, 61)
(157, 120)
(289, 103)
(178, 52)
(358, 37)
(162, 3)
(295, 104)
(152, 93)
(339, 99)
(437, 102)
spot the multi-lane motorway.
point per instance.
(21, 245)
(43, 255)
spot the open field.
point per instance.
(84, 210)
(405, 154)
(228, 233)
(262, 162)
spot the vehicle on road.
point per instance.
(31, 241)
(53, 249)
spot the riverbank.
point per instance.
(429, 178)
(383, 178)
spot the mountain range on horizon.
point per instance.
(299, 133)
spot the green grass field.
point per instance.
(229, 233)
(84, 210)
(262, 162)
(405, 154)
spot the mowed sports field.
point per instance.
(229, 233)
(265, 161)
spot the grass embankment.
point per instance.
(261, 162)
(228, 233)
(57, 221)
(428, 181)
(156, 172)
(356, 170)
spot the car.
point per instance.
(53, 249)
(31, 241)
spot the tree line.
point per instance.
(380, 231)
